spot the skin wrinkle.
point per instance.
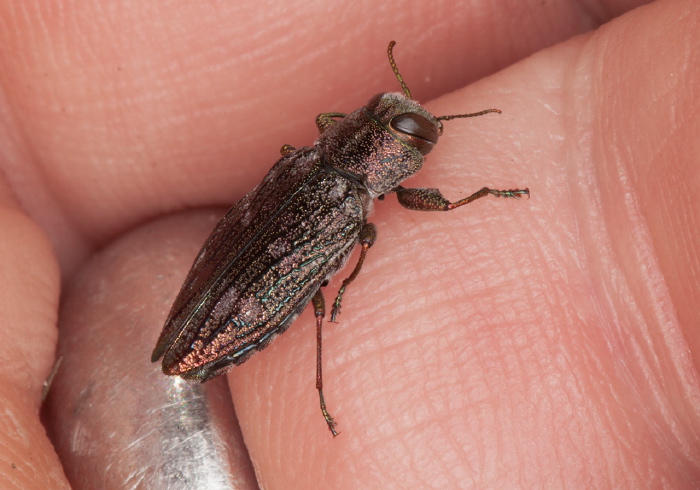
(631, 214)
(563, 295)
(643, 360)
(598, 259)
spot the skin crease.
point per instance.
(549, 342)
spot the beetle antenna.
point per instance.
(404, 87)
(473, 114)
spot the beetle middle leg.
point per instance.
(432, 200)
(368, 235)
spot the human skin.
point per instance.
(550, 342)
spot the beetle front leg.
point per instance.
(368, 235)
(432, 200)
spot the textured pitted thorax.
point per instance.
(365, 145)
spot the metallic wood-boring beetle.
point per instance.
(274, 250)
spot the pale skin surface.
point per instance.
(550, 342)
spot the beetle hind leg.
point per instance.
(319, 312)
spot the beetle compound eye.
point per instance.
(416, 130)
(416, 125)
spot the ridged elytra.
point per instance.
(275, 249)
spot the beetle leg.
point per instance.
(327, 119)
(368, 235)
(320, 311)
(432, 200)
(287, 150)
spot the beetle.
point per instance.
(275, 249)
